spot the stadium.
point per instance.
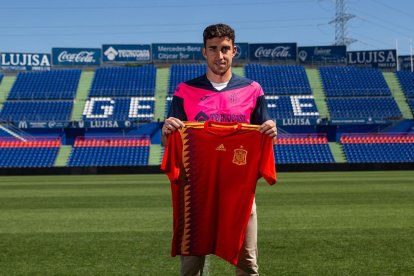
(82, 192)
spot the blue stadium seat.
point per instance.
(353, 82)
(45, 85)
(110, 152)
(124, 81)
(303, 154)
(41, 96)
(48, 110)
(378, 148)
(302, 150)
(31, 154)
(411, 104)
(379, 152)
(406, 79)
(280, 79)
(363, 108)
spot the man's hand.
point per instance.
(269, 128)
(171, 124)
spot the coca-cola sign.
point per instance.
(76, 56)
(273, 51)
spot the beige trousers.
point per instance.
(247, 262)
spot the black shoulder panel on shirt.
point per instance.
(200, 82)
(234, 83)
(260, 113)
(177, 109)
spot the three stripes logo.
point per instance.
(221, 148)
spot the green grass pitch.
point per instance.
(333, 223)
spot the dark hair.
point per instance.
(218, 30)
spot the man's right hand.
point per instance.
(171, 124)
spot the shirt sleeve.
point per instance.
(267, 163)
(177, 109)
(171, 162)
(260, 113)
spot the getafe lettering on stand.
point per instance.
(104, 107)
(83, 56)
(277, 52)
(107, 107)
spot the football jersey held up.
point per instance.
(213, 169)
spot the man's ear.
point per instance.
(203, 51)
(234, 51)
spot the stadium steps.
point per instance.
(85, 83)
(63, 156)
(161, 91)
(155, 154)
(398, 94)
(5, 87)
(317, 89)
(337, 152)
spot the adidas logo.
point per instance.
(221, 148)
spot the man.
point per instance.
(223, 97)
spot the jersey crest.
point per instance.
(240, 157)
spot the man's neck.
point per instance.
(219, 78)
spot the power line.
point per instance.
(158, 6)
(155, 25)
(383, 26)
(135, 32)
(410, 15)
(382, 20)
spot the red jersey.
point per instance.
(213, 169)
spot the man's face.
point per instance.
(219, 53)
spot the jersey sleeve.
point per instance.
(260, 113)
(171, 162)
(177, 109)
(267, 166)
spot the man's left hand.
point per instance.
(269, 128)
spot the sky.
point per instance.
(37, 26)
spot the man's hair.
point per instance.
(218, 30)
